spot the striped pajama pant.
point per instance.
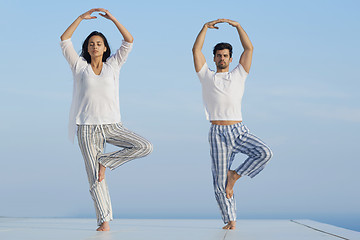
(92, 139)
(226, 141)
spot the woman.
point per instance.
(95, 109)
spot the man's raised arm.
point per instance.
(199, 58)
(246, 56)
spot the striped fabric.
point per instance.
(92, 139)
(226, 141)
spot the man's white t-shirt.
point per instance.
(95, 97)
(222, 93)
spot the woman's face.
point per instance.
(96, 46)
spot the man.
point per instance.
(222, 94)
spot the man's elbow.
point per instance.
(250, 48)
(195, 50)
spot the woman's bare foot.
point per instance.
(101, 172)
(232, 177)
(230, 226)
(104, 227)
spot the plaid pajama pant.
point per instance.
(226, 141)
(92, 139)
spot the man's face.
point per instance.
(222, 59)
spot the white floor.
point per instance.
(134, 229)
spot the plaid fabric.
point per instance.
(225, 142)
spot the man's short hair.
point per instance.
(222, 46)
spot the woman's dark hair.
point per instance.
(222, 46)
(84, 52)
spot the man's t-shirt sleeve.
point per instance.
(241, 71)
(203, 71)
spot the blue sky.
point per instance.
(301, 98)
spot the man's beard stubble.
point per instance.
(221, 66)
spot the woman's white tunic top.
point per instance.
(95, 97)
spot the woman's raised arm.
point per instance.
(71, 29)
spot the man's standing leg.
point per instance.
(220, 155)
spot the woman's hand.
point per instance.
(87, 15)
(106, 15)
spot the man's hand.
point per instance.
(211, 24)
(231, 22)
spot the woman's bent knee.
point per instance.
(148, 148)
(144, 149)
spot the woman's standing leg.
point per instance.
(91, 142)
(133, 146)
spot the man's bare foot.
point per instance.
(101, 172)
(104, 227)
(230, 226)
(232, 177)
